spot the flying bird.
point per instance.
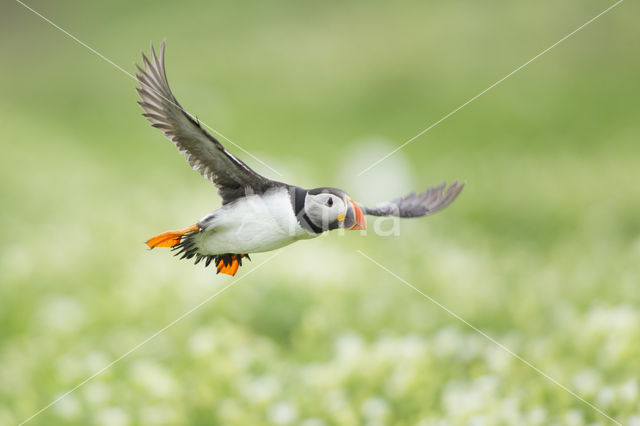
(257, 214)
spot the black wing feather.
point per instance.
(430, 201)
(232, 177)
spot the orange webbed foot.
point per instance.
(229, 264)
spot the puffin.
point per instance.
(257, 214)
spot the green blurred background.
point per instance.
(541, 251)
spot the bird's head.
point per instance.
(332, 208)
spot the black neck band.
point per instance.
(298, 196)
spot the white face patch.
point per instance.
(325, 210)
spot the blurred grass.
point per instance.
(541, 250)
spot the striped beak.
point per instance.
(354, 219)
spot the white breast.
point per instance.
(252, 224)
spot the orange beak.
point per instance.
(354, 220)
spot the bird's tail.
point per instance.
(170, 238)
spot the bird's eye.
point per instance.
(330, 202)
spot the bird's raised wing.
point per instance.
(430, 201)
(204, 152)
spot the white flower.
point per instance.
(243, 357)
(446, 342)
(402, 349)
(479, 420)
(537, 416)
(68, 407)
(629, 390)
(587, 382)
(606, 396)
(462, 399)
(375, 409)
(112, 416)
(349, 347)
(497, 358)
(608, 321)
(510, 410)
(153, 378)
(282, 413)
(573, 418)
(96, 360)
(261, 389)
(313, 421)
(202, 342)
(96, 393)
(69, 368)
(634, 420)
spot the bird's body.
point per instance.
(257, 214)
(251, 224)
